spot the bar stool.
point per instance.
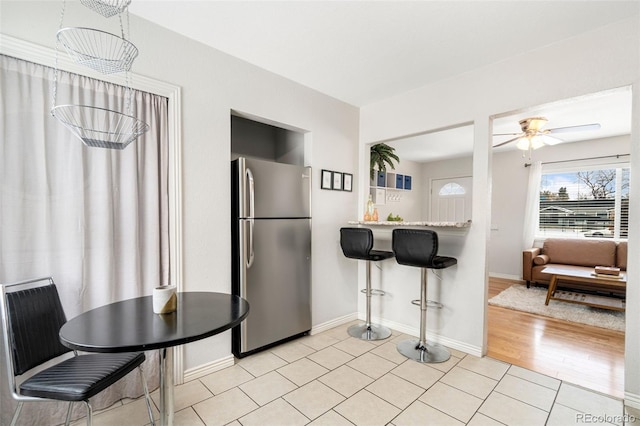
(357, 243)
(419, 248)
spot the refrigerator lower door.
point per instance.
(277, 284)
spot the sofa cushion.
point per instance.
(580, 252)
(621, 255)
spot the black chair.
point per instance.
(357, 243)
(419, 248)
(31, 318)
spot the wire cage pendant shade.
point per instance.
(106, 8)
(99, 50)
(100, 127)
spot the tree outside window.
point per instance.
(585, 203)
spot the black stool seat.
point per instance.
(377, 255)
(419, 248)
(357, 243)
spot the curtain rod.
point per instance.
(581, 159)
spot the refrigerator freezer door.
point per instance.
(277, 285)
(273, 190)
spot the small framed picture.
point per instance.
(347, 182)
(325, 181)
(337, 181)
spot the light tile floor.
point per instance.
(333, 379)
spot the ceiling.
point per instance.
(362, 51)
(610, 109)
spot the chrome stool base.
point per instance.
(429, 353)
(373, 332)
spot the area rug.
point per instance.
(520, 298)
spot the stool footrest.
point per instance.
(430, 304)
(374, 292)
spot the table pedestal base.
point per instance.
(166, 386)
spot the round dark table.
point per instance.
(131, 326)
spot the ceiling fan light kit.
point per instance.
(533, 136)
(530, 142)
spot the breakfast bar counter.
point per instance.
(402, 223)
(449, 286)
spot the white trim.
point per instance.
(505, 276)
(316, 329)
(32, 52)
(414, 331)
(208, 368)
(632, 400)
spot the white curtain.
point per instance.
(94, 219)
(532, 205)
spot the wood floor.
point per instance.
(591, 357)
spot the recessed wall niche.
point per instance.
(262, 141)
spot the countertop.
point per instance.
(427, 224)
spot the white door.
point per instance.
(451, 199)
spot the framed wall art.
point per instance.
(325, 179)
(337, 181)
(347, 182)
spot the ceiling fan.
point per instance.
(533, 136)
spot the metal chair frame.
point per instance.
(368, 330)
(421, 350)
(11, 375)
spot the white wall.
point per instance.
(510, 180)
(213, 84)
(603, 59)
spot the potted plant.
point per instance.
(381, 155)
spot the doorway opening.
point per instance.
(547, 345)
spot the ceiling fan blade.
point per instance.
(580, 128)
(506, 142)
(550, 140)
(506, 134)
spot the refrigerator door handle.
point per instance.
(251, 216)
(250, 245)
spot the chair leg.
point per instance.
(16, 413)
(89, 413)
(420, 350)
(368, 331)
(68, 419)
(146, 395)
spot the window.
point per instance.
(585, 203)
(452, 188)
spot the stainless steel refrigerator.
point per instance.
(271, 251)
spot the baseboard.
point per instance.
(632, 400)
(505, 276)
(229, 361)
(333, 323)
(208, 368)
(414, 331)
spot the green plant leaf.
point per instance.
(381, 156)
